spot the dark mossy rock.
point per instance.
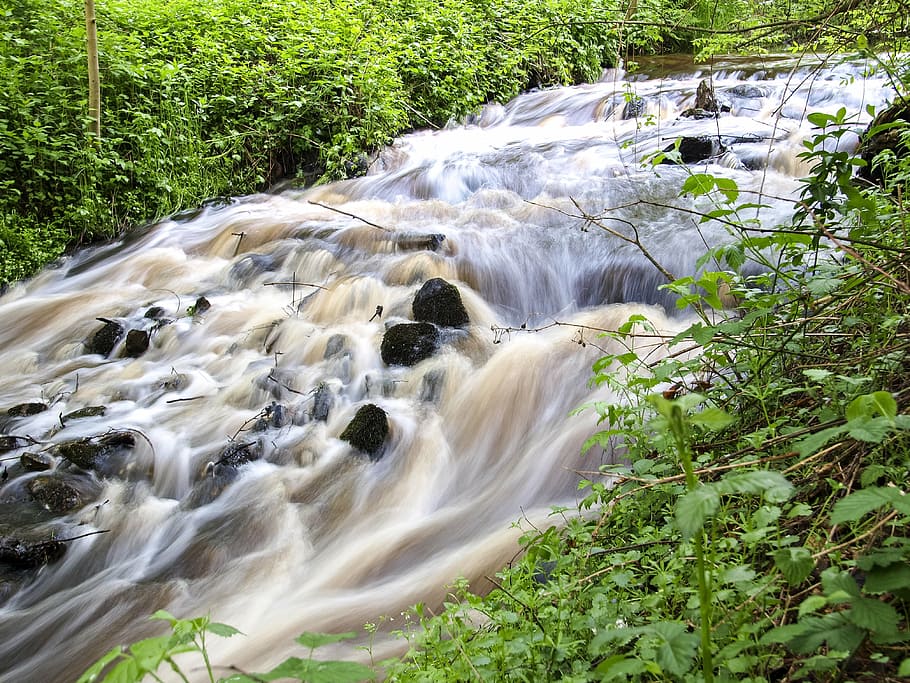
(274, 416)
(26, 409)
(88, 411)
(36, 462)
(705, 98)
(11, 443)
(155, 313)
(29, 554)
(88, 453)
(201, 306)
(55, 494)
(697, 114)
(137, 343)
(105, 339)
(883, 135)
(439, 302)
(237, 454)
(323, 400)
(693, 149)
(409, 343)
(368, 430)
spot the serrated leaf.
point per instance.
(223, 630)
(817, 374)
(887, 579)
(677, 647)
(714, 419)
(619, 666)
(694, 508)
(858, 504)
(868, 405)
(812, 604)
(698, 184)
(870, 430)
(314, 640)
(796, 564)
(314, 671)
(836, 581)
(164, 615)
(738, 574)
(873, 615)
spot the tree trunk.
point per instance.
(94, 80)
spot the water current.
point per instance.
(221, 481)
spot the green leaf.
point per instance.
(812, 443)
(887, 579)
(619, 666)
(314, 671)
(677, 647)
(870, 430)
(873, 615)
(812, 604)
(796, 564)
(904, 668)
(868, 405)
(860, 503)
(817, 374)
(771, 485)
(713, 419)
(223, 630)
(92, 673)
(694, 508)
(314, 640)
(698, 184)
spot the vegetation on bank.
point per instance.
(228, 97)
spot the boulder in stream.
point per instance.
(105, 339)
(368, 430)
(137, 343)
(26, 409)
(323, 400)
(90, 452)
(55, 494)
(88, 411)
(885, 133)
(36, 462)
(30, 554)
(439, 302)
(409, 343)
(693, 149)
(11, 443)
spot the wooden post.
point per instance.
(94, 80)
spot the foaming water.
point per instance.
(311, 534)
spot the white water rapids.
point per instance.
(313, 535)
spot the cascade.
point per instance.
(218, 357)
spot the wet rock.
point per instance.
(55, 494)
(368, 430)
(439, 302)
(88, 453)
(36, 462)
(420, 242)
(274, 416)
(137, 343)
(207, 489)
(155, 313)
(693, 149)
(409, 343)
(431, 385)
(88, 411)
(890, 139)
(323, 400)
(705, 98)
(29, 554)
(105, 339)
(335, 346)
(201, 306)
(237, 454)
(698, 114)
(751, 92)
(11, 443)
(634, 108)
(252, 265)
(26, 409)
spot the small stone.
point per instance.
(201, 306)
(26, 554)
(11, 443)
(54, 494)
(323, 401)
(88, 411)
(155, 313)
(36, 462)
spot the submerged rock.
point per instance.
(237, 454)
(26, 409)
(693, 149)
(11, 443)
(88, 411)
(105, 339)
(439, 302)
(273, 416)
(409, 343)
(368, 430)
(88, 453)
(323, 400)
(36, 462)
(155, 313)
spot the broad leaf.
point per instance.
(694, 508)
(860, 503)
(677, 647)
(314, 640)
(795, 564)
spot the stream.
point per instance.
(214, 463)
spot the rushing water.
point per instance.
(314, 535)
